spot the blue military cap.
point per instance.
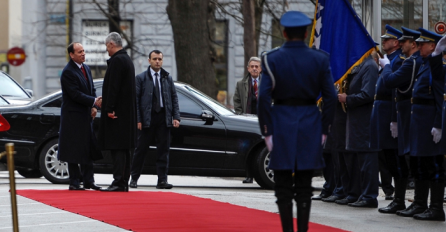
(391, 33)
(428, 36)
(409, 34)
(295, 19)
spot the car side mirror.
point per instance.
(207, 116)
(30, 92)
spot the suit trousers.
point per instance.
(369, 175)
(329, 174)
(349, 174)
(386, 176)
(288, 186)
(85, 172)
(429, 168)
(121, 167)
(159, 132)
(339, 189)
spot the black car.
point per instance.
(211, 141)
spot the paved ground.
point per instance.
(37, 217)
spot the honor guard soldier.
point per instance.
(295, 76)
(402, 79)
(382, 124)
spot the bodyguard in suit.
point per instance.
(117, 131)
(157, 111)
(359, 102)
(245, 97)
(402, 79)
(294, 77)
(76, 142)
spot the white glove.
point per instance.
(394, 129)
(269, 142)
(441, 45)
(324, 139)
(384, 61)
(436, 133)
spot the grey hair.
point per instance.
(254, 58)
(115, 38)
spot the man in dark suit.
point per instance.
(117, 131)
(158, 111)
(295, 82)
(77, 113)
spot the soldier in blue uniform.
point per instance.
(294, 77)
(381, 122)
(402, 79)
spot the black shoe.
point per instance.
(248, 180)
(72, 187)
(320, 196)
(332, 198)
(393, 207)
(345, 201)
(164, 185)
(431, 215)
(365, 204)
(92, 186)
(113, 188)
(413, 209)
(389, 197)
(133, 184)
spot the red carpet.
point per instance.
(162, 211)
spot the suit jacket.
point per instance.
(119, 96)
(241, 95)
(76, 133)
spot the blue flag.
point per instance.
(339, 31)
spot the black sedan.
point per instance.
(211, 141)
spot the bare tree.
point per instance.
(249, 33)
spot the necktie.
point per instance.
(157, 92)
(255, 87)
(83, 71)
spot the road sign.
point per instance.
(16, 56)
(440, 27)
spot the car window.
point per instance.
(54, 103)
(188, 108)
(3, 102)
(10, 89)
(215, 105)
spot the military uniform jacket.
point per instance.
(426, 112)
(384, 111)
(438, 70)
(295, 71)
(359, 105)
(402, 79)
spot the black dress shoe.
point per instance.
(331, 198)
(365, 204)
(393, 207)
(413, 209)
(431, 215)
(164, 185)
(133, 184)
(320, 196)
(389, 197)
(248, 180)
(92, 186)
(345, 201)
(113, 188)
(72, 187)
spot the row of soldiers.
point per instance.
(394, 105)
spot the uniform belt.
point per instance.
(419, 101)
(444, 96)
(295, 102)
(382, 98)
(402, 98)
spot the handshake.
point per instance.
(98, 102)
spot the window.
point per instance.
(277, 38)
(219, 47)
(54, 103)
(397, 13)
(437, 13)
(188, 108)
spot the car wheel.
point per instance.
(29, 173)
(262, 174)
(53, 170)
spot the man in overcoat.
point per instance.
(117, 131)
(359, 103)
(76, 142)
(294, 77)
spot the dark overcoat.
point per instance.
(438, 69)
(402, 80)
(75, 133)
(427, 115)
(383, 112)
(338, 127)
(295, 71)
(359, 106)
(118, 95)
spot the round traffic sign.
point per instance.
(16, 56)
(440, 27)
